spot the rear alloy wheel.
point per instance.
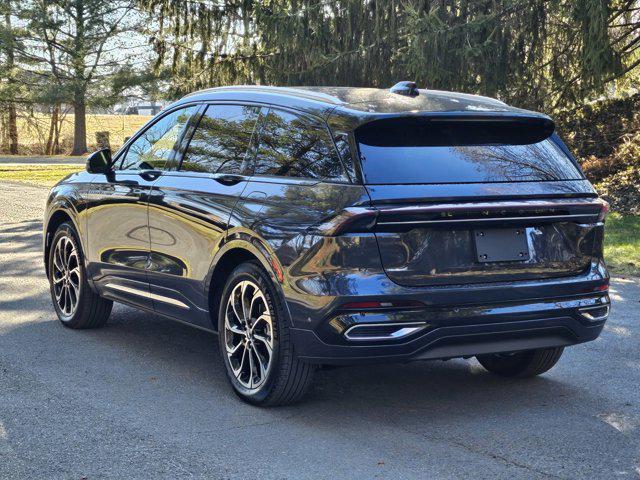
(76, 305)
(521, 364)
(255, 343)
(248, 333)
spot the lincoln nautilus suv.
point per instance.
(335, 226)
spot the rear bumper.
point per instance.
(448, 332)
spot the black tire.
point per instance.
(287, 378)
(91, 310)
(521, 364)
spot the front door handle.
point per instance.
(150, 175)
(228, 179)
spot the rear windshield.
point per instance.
(411, 151)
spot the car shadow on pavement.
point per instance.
(175, 353)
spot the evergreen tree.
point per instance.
(535, 53)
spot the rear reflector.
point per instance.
(374, 305)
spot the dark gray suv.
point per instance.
(333, 226)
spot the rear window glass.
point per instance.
(411, 152)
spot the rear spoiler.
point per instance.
(455, 129)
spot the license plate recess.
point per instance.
(501, 245)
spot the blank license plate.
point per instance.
(501, 244)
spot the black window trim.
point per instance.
(122, 153)
(301, 180)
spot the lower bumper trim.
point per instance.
(452, 341)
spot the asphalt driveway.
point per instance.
(146, 397)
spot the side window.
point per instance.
(155, 146)
(344, 149)
(296, 146)
(221, 140)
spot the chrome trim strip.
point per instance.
(492, 219)
(152, 296)
(405, 329)
(585, 313)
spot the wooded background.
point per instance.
(578, 61)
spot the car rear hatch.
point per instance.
(474, 199)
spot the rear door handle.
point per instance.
(228, 179)
(150, 175)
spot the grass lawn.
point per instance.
(622, 241)
(622, 244)
(47, 175)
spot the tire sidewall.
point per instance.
(251, 271)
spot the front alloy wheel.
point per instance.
(76, 305)
(66, 276)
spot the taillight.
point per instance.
(349, 220)
(604, 209)
(602, 288)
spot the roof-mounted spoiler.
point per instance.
(456, 130)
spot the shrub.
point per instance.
(626, 155)
(622, 190)
(599, 128)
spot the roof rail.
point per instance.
(408, 89)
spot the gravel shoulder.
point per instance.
(146, 397)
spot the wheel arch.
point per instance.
(232, 254)
(56, 218)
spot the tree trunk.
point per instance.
(56, 131)
(13, 129)
(52, 140)
(79, 125)
(12, 120)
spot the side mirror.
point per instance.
(99, 162)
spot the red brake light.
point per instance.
(602, 288)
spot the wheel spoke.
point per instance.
(232, 300)
(234, 329)
(257, 295)
(75, 271)
(265, 341)
(261, 364)
(74, 289)
(238, 371)
(58, 293)
(251, 367)
(243, 295)
(230, 326)
(73, 298)
(265, 317)
(65, 254)
(233, 349)
(66, 299)
(57, 258)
